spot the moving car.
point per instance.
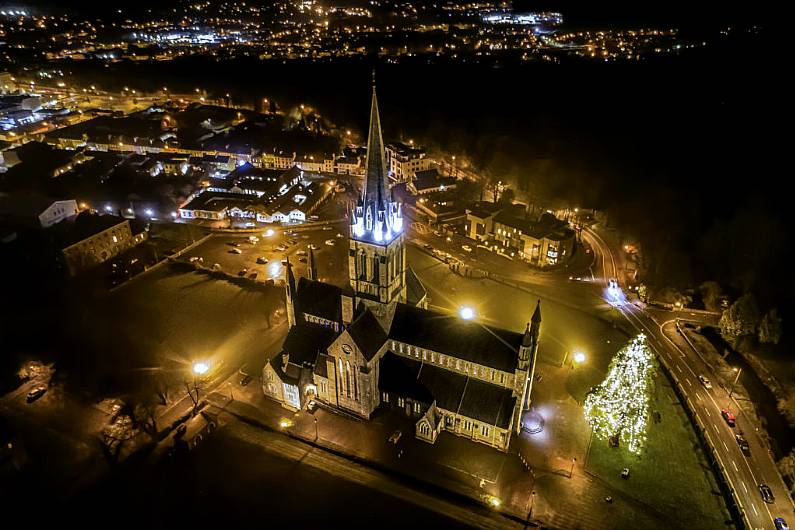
(728, 416)
(767, 495)
(780, 523)
(235, 251)
(705, 382)
(262, 260)
(394, 437)
(743, 443)
(36, 393)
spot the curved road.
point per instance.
(743, 473)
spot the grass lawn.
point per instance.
(671, 475)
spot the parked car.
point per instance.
(235, 251)
(302, 259)
(340, 236)
(253, 275)
(312, 246)
(780, 523)
(253, 239)
(743, 443)
(705, 382)
(311, 406)
(767, 494)
(301, 253)
(242, 272)
(234, 243)
(36, 393)
(328, 227)
(728, 416)
(394, 437)
(330, 242)
(194, 259)
(281, 248)
(246, 379)
(262, 260)
(428, 247)
(466, 248)
(612, 283)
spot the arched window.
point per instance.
(348, 378)
(341, 378)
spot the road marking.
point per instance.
(736, 468)
(754, 507)
(688, 382)
(716, 428)
(698, 395)
(707, 411)
(727, 448)
(679, 368)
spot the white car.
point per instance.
(466, 248)
(612, 283)
(236, 251)
(330, 242)
(704, 381)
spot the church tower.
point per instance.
(525, 369)
(377, 255)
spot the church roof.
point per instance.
(304, 341)
(399, 376)
(367, 333)
(319, 299)
(487, 403)
(446, 386)
(451, 335)
(415, 291)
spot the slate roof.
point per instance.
(367, 333)
(451, 335)
(319, 299)
(453, 392)
(415, 291)
(305, 340)
(399, 376)
(488, 403)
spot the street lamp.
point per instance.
(736, 378)
(199, 369)
(467, 313)
(579, 357)
(532, 501)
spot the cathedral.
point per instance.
(373, 344)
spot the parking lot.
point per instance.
(261, 258)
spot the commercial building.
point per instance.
(403, 161)
(37, 210)
(543, 242)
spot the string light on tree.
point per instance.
(619, 406)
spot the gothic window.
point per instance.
(385, 397)
(484, 430)
(425, 430)
(348, 379)
(341, 379)
(417, 407)
(401, 403)
(502, 378)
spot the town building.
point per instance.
(373, 345)
(35, 209)
(93, 239)
(543, 242)
(403, 161)
(430, 181)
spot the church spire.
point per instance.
(374, 192)
(311, 268)
(377, 216)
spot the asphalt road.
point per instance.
(744, 473)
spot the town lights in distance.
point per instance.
(619, 406)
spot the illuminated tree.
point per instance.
(619, 407)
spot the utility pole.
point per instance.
(739, 371)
